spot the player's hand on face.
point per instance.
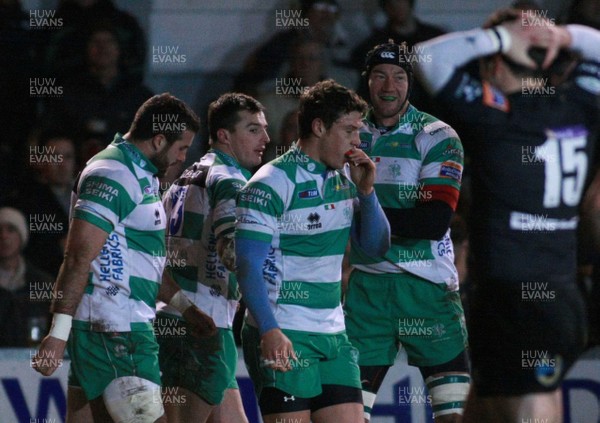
(49, 356)
(552, 38)
(362, 170)
(277, 351)
(201, 324)
(520, 35)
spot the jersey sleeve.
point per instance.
(105, 195)
(260, 206)
(223, 194)
(442, 166)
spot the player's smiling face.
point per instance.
(388, 87)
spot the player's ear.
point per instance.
(318, 127)
(223, 136)
(158, 142)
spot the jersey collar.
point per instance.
(134, 154)
(408, 116)
(230, 161)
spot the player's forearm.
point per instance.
(70, 284)
(168, 287)
(584, 40)
(250, 257)
(374, 236)
(449, 52)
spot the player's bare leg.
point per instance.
(195, 409)
(231, 410)
(78, 407)
(348, 413)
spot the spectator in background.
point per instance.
(65, 56)
(402, 26)
(280, 95)
(317, 21)
(288, 133)
(17, 106)
(45, 199)
(25, 291)
(102, 99)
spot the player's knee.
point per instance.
(448, 393)
(131, 399)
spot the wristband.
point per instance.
(61, 326)
(180, 302)
(503, 38)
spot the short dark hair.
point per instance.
(327, 100)
(163, 114)
(223, 112)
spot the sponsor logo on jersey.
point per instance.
(314, 221)
(365, 145)
(308, 193)
(492, 97)
(451, 170)
(329, 206)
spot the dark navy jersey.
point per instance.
(530, 154)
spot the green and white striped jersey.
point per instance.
(118, 192)
(200, 207)
(420, 159)
(305, 211)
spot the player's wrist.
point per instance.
(501, 38)
(61, 326)
(180, 302)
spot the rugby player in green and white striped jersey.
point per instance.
(409, 295)
(200, 209)
(111, 275)
(294, 219)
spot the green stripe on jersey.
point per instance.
(258, 236)
(146, 241)
(322, 244)
(143, 290)
(186, 277)
(105, 225)
(310, 294)
(192, 225)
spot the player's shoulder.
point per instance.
(430, 127)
